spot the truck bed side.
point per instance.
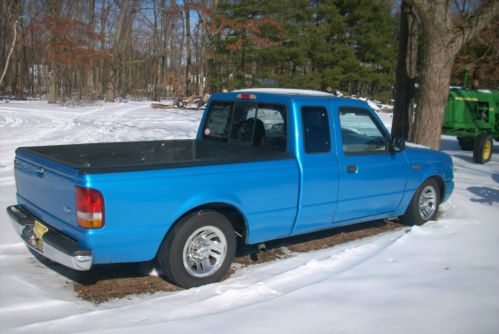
(266, 192)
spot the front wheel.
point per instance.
(424, 205)
(198, 250)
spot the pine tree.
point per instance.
(346, 45)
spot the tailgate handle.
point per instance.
(40, 171)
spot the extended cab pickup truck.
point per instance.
(266, 164)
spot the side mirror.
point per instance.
(397, 144)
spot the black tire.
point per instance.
(173, 263)
(466, 143)
(413, 214)
(484, 146)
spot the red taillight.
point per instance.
(89, 208)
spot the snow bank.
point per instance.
(438, 278)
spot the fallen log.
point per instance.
(156, 105)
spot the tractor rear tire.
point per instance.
(482, 151)
(466, 143)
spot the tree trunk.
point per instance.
(53, 86)
(156, 77)
(112, 78)
(104, 8)
(436, 66)
(188, 69)
(14, 37)
(406, 73)
(201, 82)
(90, 75)
(13, 52)
(164, 42)
(4, 22)
(442, 37)
(19, 55)
(55, 7)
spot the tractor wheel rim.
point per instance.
(487, 150)
(204, 251)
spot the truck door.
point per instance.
(372, 179)
(318, 165)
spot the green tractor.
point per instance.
(473, 117)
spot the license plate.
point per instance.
(39, 230)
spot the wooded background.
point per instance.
(109, 49)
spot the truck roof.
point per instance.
(272, 95)
(285, 91)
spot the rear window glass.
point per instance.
(243, 123)
(217, 123)
(274, 120)
(247, 124)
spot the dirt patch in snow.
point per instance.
(118, 281)
(106, 289)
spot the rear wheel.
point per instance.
(198, 250)
(424, 205)
(483, 148)
(466, 143)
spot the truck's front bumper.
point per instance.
(52, 244)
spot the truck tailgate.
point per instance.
(47, 189)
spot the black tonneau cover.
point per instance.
(147, 155)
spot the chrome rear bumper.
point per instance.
(53, 244)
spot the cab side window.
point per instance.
(360, 132)
(316, 129)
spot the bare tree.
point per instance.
(115, 53)
(55, 9)
(188, 66)
(17, 63)
(165, 18)
(105, 8)
(14, 30)
(123, 31)
(90, 77)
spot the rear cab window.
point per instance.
(247, 124)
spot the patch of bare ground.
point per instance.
(118, 281)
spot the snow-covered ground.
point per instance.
(442, 277)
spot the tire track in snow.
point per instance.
(259, 283)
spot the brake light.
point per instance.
(246, 96)
(89, 208)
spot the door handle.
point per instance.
(352, 169)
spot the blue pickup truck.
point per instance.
(266, 164)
